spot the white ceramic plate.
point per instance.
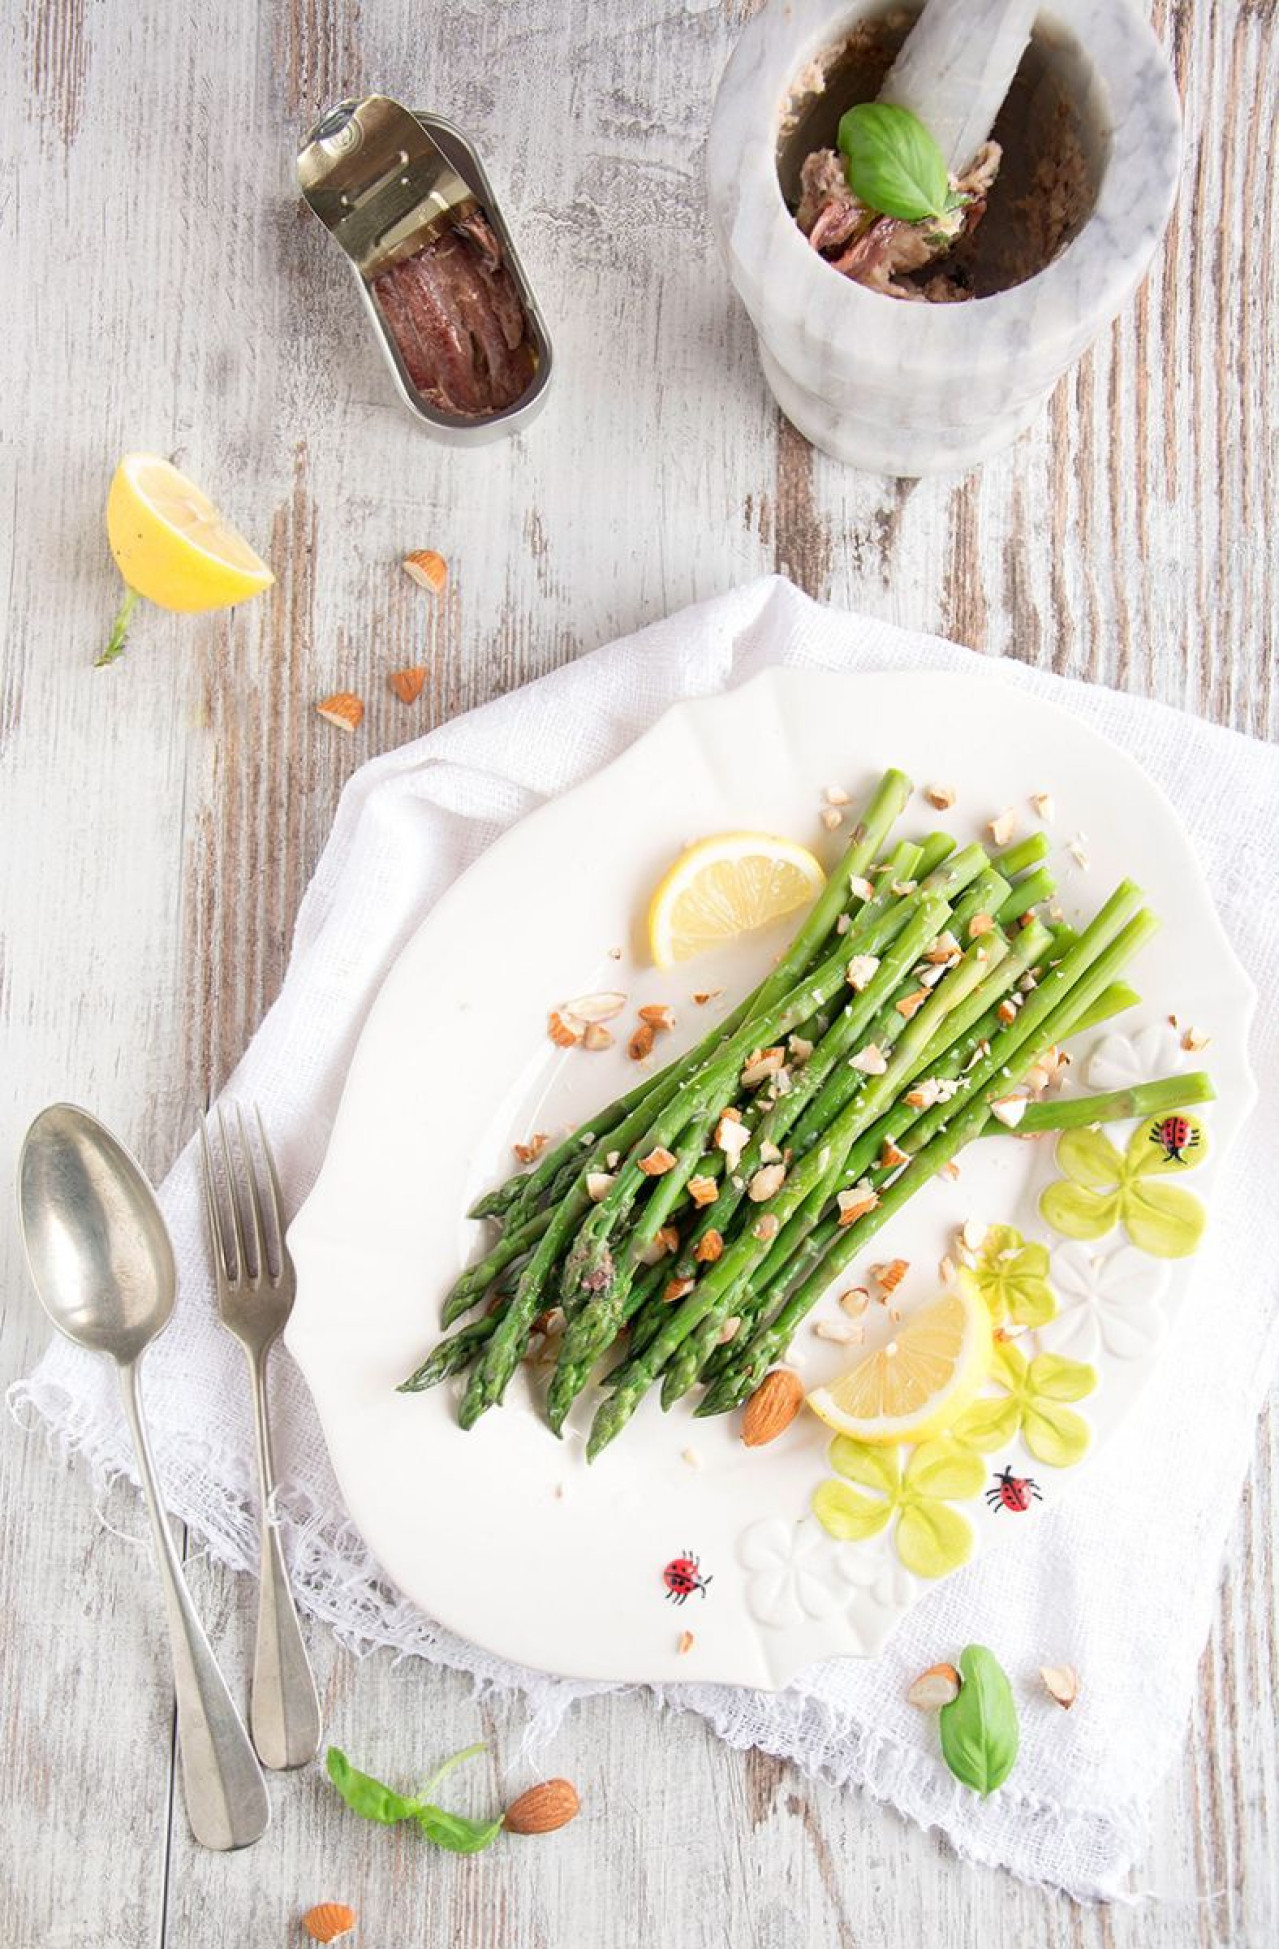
(504, 1534)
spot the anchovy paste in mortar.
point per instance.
(881, 251)
(458, 321)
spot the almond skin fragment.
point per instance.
(657, 1015)
(658, 1162)
(407, 684)
(685, 1643)
(562, 1033)
(706, 995)
(541, 1809)
(533, 1149)
(1193, 1040)
(329, 1920)
(427, 569)
(703, 1191)
(934, 1688)
(773, 1407)
(344, 709)
(1062, 1683)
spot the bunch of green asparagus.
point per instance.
(697, 1220)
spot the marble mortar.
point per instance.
(908, 389)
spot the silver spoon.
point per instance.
(103, 1267)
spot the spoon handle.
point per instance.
(284, 1710)
(222, 1782)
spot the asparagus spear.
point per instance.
(1111, 1106)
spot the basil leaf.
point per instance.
(979, 1729)
(454, 1831)
(365, 1795)
(373, 1801)
(893, 163)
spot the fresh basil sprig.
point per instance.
(373, 1801)
(979, 1728)
(893, 164)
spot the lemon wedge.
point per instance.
(172, 545)
(918, 1383)
(725, 886)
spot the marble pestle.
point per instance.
(955, 69)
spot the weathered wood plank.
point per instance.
(162, 820)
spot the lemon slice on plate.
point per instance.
(172, 545)
(918, 1383)
(725, 886)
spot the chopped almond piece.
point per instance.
(946, 1268)
(950, 1171)
(732, 1137)
(836, 795)
(941, 797)
(1044, 806)
(641, 1043)
(861, 888)
(676, 1289)
(1008, 1009)
(766, 1183)
(660, 1246)
(889, 1277)
(831, 819)
(861, 971)
(869, 1061)
(799, 1048)
(533, 1149)
(595, 1008)
(1009, 1110)
(911, 1004)
(843, 1332)
(562, 1033)
(980, 924)
(891, 1155)
(973, 1234)
(856, 1301)
(708, 1248)
(1062, 1683)
(407, 684)
(765, 1063)
(1003, 826)
(1194, 1039)
(766, 1227)
(596, 1036)
(729, 1331)
(945, 948)
(657, 1015)
(703, 1191)
(599, 1184)
(427, 569)
(857, 1202)
(903, 887)
(343, 709)
(685, 1643)
(706, 995)
(658, 1162)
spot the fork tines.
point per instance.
(235, 1203)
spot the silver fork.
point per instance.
(254, 1301)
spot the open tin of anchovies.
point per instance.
(409, 202)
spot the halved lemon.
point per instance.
(919, 1382)
(725, 886)
(172, 545)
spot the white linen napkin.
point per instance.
(1120, 1581)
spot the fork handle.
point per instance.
(284, 1710)
(221, 1780)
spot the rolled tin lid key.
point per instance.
(408, 200)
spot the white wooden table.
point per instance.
(166, 289)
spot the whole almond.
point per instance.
(773, 1407)
(328, 1920)
(934, 1688)
(407, 684)
(541, 1809)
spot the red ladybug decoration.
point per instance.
(682, 1577)
(1015, 1492)
(1175, 1136)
